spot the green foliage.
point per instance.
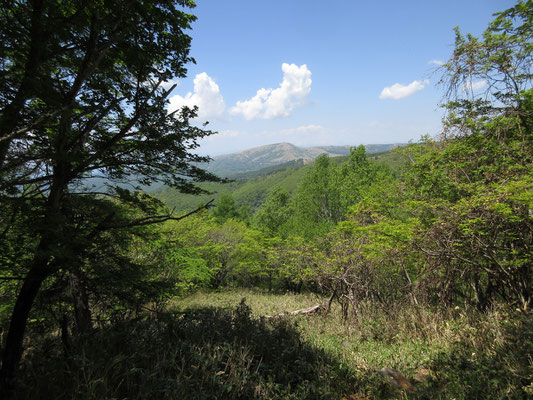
(329, 190)
(458, 227)
(180, 266)
(252, 189)
(502, 59)
(279, 255)
(317, 202)
(403, 250)
(82, 98)
(248, 191)
(274, 213)
(357, 174)
(225, 208)
(226, 252)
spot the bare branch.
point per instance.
(154, 219)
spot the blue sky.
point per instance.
(322, 72)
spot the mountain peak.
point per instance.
(278, 153)
(265, 156)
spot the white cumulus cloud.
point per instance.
(399, 91)
(280, 102)
(206, 96)
(473, 86)
(436, 62)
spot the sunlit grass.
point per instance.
(261, 302)
(409, 339)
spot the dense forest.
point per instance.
(419, 260)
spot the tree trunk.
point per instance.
(80, 300)
(42, 267)
(17, 327)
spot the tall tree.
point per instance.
(225, 208)
(316, 203)
(272, 217)
(491, 76)
(357, 175)
(476, 184)
(83, 95)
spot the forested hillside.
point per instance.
(402, 274)
(250, 189)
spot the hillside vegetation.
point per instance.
(403, 274)
(250, 189)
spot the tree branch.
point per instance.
(154, 219)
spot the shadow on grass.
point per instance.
(204, 353)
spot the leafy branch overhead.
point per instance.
(491, 76)
(82, 97)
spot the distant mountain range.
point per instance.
(273, 154)
(250, 189)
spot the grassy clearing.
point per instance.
(261, 302)
(214, 346)
(198, 353)
(459, 353)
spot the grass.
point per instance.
(214, 345)
(464, 353)
(198, 353)
(261, 302)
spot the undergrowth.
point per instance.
(455, 353)
(204, 353)
(217, 346)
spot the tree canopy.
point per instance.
(83, 95)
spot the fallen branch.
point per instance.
(305, 311)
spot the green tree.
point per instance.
(501, 60)
(218, 244)
(274, 213)
(83, 95)
(316, 203)
(458, 226)
(474, 188)
(226, 208)
(298, 258)
(358, 175)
